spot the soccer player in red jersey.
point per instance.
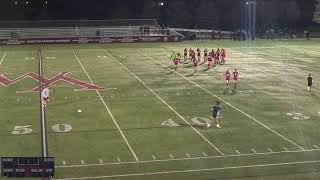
(205, 55)
(210, 60)
(235, 78)
(185, 54)
(223, 56)
(199, 54)
(227, 74)
(176, 63)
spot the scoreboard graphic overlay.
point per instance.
(27, 167)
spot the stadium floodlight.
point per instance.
(161, 3)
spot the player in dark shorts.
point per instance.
(235, 78)
(216, 112)
(205, 55)
(223, 56)
(185, 54)
(310, 81)
(199, 55)
(217, 57)
(190, 53)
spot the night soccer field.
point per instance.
(139, 120)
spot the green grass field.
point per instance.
(149, 123)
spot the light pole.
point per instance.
(250, 18)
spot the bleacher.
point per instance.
(72, 29)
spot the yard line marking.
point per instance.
(43, 132)
(254, 151)
(205, 154)
(270, 150)
(118, 159)
(298, 84)
(111, 115)
(154, 157)
(64, 163)
(82, 162)
(204, 89)
(285, 148)
(184, 159)
(3, 57)
(153, 92)
(171, 156)
(238, 152)
(100, 161)
(315, 146)
(188, 155)
(197, 170)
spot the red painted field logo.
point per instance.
(61, 77)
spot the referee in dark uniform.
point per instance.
(216, 111)
(310, 81)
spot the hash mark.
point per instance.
(205, 154)
(82, 161)
(254, 151)
(270, 150)
(315, 146)
(285, 148)
(238, 152)
(64, 163)
(100, 160)
(171, 156)
(188, 155)
(119, 160)
(154, 157)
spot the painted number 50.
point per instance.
(61, 128)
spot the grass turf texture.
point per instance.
(258, 139)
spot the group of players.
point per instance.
(194, 57)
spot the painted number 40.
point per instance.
(196, 120)
(61, 128)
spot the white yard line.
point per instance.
(229, 104)
(185, 159)
(153, 92)
(106, 106)
(4, 55)
(197, 170)
(43, 121)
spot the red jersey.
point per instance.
(209, 57)
(176, 61)
(235, 76)
(227, 76)
(217, 55)
(223, 54)
(195, 62)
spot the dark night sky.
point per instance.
(224, 13)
